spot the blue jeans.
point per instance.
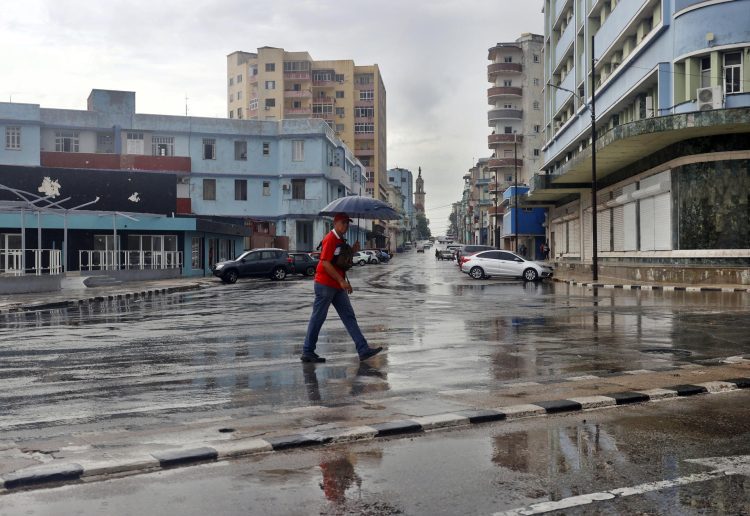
(324, 298)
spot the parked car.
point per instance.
(304, 264)
(271, 262)
(504, 263)
(444, 254)
(361, 258)
(407, 246)
(420, 247)
(381, 255)
(468, 250)
(315, 255)
(373, 256)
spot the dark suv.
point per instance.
(274, 263)
(304, 264)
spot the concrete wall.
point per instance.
(659, 274)
(30, 284)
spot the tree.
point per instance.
(423, 226)
(453, 226)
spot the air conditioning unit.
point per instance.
(710, 98)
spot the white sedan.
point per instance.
(361, 258)
(503, 263)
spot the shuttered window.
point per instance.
(663, 222)
(630, 233)
(604, 230)
(574, 236)
(588, 242)
(618, 228)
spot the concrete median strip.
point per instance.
(54, 474)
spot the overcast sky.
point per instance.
(432, 55)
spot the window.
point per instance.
(363, 112)
(322, 109)
(296, 66)
(239, 113)
(298, 150)
(239, 95)
(105, 143)
(339, 94)
(536, 82)
(364, 128)
(240, 189)
(507, 59)
(733, 72)
(253, 105)
(705, 72)
(231, 81)
(196, 248)
(296, 104)
(508, 130)
(339, 77)
(270, 67)
(239, 78)
(266, 188)
(240, 150)
(270, 85)
(536, 152)
(322, 76)
(162, 145)
(209, 148)
(536, 104)
(231, 114)
(339, 128)
(266, 149)
(508, 106)
(270, 103)
(209, 189)
(366, 95)
(507, 83)
(66, 141)
(13, 138)
(298, 188)
(536, 58)
(537, 128)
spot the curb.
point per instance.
(56, 474)
(664, 288)
(139, 294)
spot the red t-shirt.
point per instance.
(327, 252)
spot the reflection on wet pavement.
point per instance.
(233, 349)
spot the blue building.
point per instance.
(673, 137)
(227, 175)
(522, 225)
(403, 179)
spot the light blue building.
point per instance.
(403, 179)
(673, 137)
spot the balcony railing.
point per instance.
(364, 152)
(504, 163)
(499, 187)
(38, 262)
(297, 93)
(497, 139)
(494, 69)
(503, 91)
(503, 114)
(323, 100)
(495, 211)
(96, 260)
(300, 76)
(298, 111)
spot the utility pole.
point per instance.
(515, 189)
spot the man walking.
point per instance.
(332, 288)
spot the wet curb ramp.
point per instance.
(94, 469)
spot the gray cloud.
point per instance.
(432, 54)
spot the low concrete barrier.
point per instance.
(29, 284)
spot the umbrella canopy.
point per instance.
(361, 207)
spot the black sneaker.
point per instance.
(312, 357)
(370, 353)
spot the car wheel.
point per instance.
(362, 263)
(310, 271)
(278, 274)
(230, 277)
(530, 275)
(476, 273)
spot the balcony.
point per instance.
(299, 76)
(325, 83)
(495, 140)
(364, 103)
(297, 93)
(494, 69)
(496, 115)
(364, 136)
(498, 92)
(496, 211)
(364, 152)
(483, 181)
(323, 100)
(253, 79)
(496, 188)
(495, 163)
(298, 111)
(486, 202)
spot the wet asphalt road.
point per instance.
(482, 470)
(232, 350)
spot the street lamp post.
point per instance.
(497, 228)
(592, 109)
(515, 189)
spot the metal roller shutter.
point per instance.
(618, 228)
(662, 221)
(630, 231)
(588, 242)
(603, 230)
(646, 211)
(574, 236)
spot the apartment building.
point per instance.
(516, 118)
(225, 176)
(672, 102)
(273, 84)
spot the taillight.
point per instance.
(289, 259)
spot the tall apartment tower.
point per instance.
(516, 115)
(273, 84)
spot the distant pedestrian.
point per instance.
(522, 250)
(545, 250)
(333, 288)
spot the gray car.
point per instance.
(270, 262)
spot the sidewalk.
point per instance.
(72, 297)
(93, 456)
(584, 280)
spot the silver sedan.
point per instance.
(504, 263)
